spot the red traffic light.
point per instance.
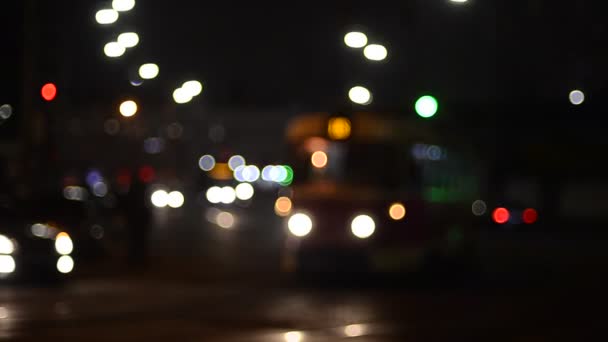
(530, 216)
(501, 215)
(48, 91)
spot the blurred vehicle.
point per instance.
(379, 193)
(31, 250)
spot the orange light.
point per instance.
(339, 128)
(397, 211)
(48, 91)
(221, 171)
(282, 206)
(501, 215)
(319, 159)
(530, 216)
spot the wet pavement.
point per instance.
(162, 310)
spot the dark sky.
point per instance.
(483, 54)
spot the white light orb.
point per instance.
(577, 97)
(355, 40)
(148, 71)
(128, 108)
(113, 49)
(63, 244)
(128, 39)
(159, 198)
(65, 264)
(228, 195)
(214, 194)
(363, 226)
(181, 96)
(360, 95)
(244, 191)
(176, 199)
(193, 88)
(375, 52)
(106, 16)
(300, 224)
(123, 5)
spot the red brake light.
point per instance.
(501, 215)
(530, 216)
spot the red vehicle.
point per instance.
(375, 192)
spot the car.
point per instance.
(31, 250)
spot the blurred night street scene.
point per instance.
(415, 170)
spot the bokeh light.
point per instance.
(181, 96)
(251, 173)
(225, 220)
(479, 208)
(427, 106)
(176, 199)
(63, 244)
(360, 95)
(65, 264)
(154, 145)
(339, 128)
(123, 5)
(227, 195)
(354, 330)
(106, 16)
(6, 245)
(355, 40)
(363, 226)
(236, 161)
(48, 92)
(113, 50)
(175, 130)
(128, 108)
(128, 39)
(146, 174)
(530, 216)
(6, 111)
(375, 52)
(7, 264)
(148, 71)
(192, 88)
(293, 336)
(160, 198)
(206, 162)
(300, 224)
(244, 191)
(282, 206)
(577, 97)
(214, 194)
(100, 189)
(238, 173)
(290, 175)
(397, 211)
(501, 215)
(319, 159)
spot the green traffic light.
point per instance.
(427, 106)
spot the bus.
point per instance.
(375, 192)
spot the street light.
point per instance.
(128, 39)
(106, 16)
(128, 108)
(181, 96)
(123, 5)
(360, 95)
(355, 40)
(113, 49)
(148, 71)
(375, 52)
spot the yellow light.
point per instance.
(397, 211)
(221, 171)
(319, 159)
(282, 206)
(128, 108)
(339, 128)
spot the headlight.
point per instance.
(300, 225)
(363, 226)
(6, 245)
(7, 264)
(63, 244)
